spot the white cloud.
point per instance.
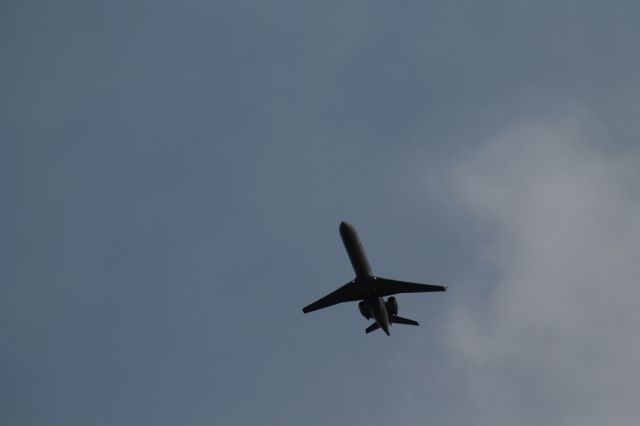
(557, 339)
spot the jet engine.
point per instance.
(392, 306)
(364, 310)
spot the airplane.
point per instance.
(369, 289)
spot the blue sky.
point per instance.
(174, 173)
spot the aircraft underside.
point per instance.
(369, 289)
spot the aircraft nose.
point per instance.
(345, 229)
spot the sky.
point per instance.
(173, 175)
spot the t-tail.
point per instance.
(393, 320)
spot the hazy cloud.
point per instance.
(555, 341)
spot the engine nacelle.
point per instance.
(392, 306)
(364, 310)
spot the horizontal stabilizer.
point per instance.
(400, 320)
(372, 327)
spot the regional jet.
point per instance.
(369, 289)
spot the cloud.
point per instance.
(555, 339)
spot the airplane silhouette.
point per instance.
(370, 289)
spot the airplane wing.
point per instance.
(347, 293)
(387, 287)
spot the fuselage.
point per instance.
(364, 275)
(355, 251)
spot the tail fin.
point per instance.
(400, 320)
(372, 327)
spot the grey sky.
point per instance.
(173, 175)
